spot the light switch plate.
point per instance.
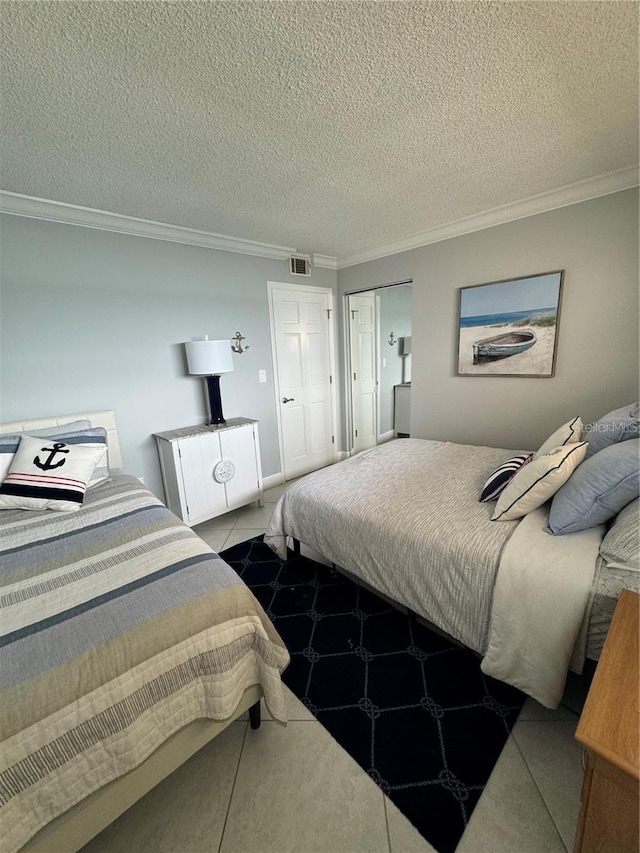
(262, 376)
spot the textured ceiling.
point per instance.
(333, 127)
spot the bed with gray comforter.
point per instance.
(405, 518)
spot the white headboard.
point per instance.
(105, 419)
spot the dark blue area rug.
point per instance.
(412, 708)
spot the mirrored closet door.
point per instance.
(379, 370)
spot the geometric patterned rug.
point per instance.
(413, 709)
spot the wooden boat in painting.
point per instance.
(501, 346)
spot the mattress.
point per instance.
(607, 586)
(118, 627)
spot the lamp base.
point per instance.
(215, 401)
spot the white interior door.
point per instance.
(301, 330)
(364, 374)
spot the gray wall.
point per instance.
(596, 243)
(93, 320)
(395, 316)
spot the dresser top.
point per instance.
(609, 722)
(203, 429)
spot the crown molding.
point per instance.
(88, 217)
(611, 182)
(71, 214)
(327, 262)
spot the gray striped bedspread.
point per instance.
(118, 626)
(405, 518)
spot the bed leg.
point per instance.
(254, 715)
(296, 547)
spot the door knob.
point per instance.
(288, 399)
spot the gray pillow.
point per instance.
(9, 441)
(46, 432)
(598, 489)
(619, 425)
(620, 548)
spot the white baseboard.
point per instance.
(386, 436)
(278, 479)
(272, 480)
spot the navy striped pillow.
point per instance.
(503, 475)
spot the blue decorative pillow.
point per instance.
(619, 425)
(598, 489)
(503, 475)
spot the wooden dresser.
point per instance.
(609, 729)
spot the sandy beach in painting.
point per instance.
(538, 360)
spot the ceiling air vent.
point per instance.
(299, 265)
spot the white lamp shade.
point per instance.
(209, 357)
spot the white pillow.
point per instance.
(568, 433)
(538, 481)
(49, 474)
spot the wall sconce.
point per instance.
(392, 340)
(236, 343)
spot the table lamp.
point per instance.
(210, 359)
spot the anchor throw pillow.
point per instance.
(70, 434)
(49, 474)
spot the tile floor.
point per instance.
(294, 790)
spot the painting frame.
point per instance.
(510, 320)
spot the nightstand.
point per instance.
(402, 408)
(208, 470)
(609, 729)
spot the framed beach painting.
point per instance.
(510, 328)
